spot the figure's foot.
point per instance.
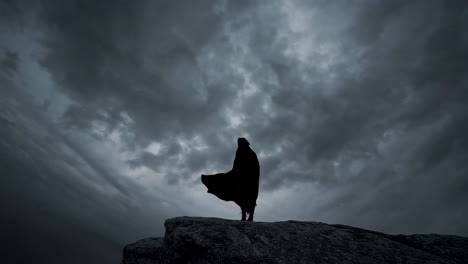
(251, 212)
(250, 217)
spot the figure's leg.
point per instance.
(251, 213)
(243, 213)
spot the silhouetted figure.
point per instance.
(239, 184)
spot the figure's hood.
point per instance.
(242, 142)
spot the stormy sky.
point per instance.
(111, 110)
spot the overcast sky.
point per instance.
(111, 110)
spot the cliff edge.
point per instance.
(214, 240)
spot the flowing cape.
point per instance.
(239, 184)
(222, 185)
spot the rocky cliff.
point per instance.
(213, 240)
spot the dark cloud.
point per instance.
(144, 64)
(10, 62)
(357, 112)
(59, 202)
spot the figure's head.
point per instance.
(242, 142)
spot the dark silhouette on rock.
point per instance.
(239, 184)
(214, 240)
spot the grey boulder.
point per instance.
(213, 240)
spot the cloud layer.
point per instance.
(110, 113)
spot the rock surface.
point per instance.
(214, 240)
